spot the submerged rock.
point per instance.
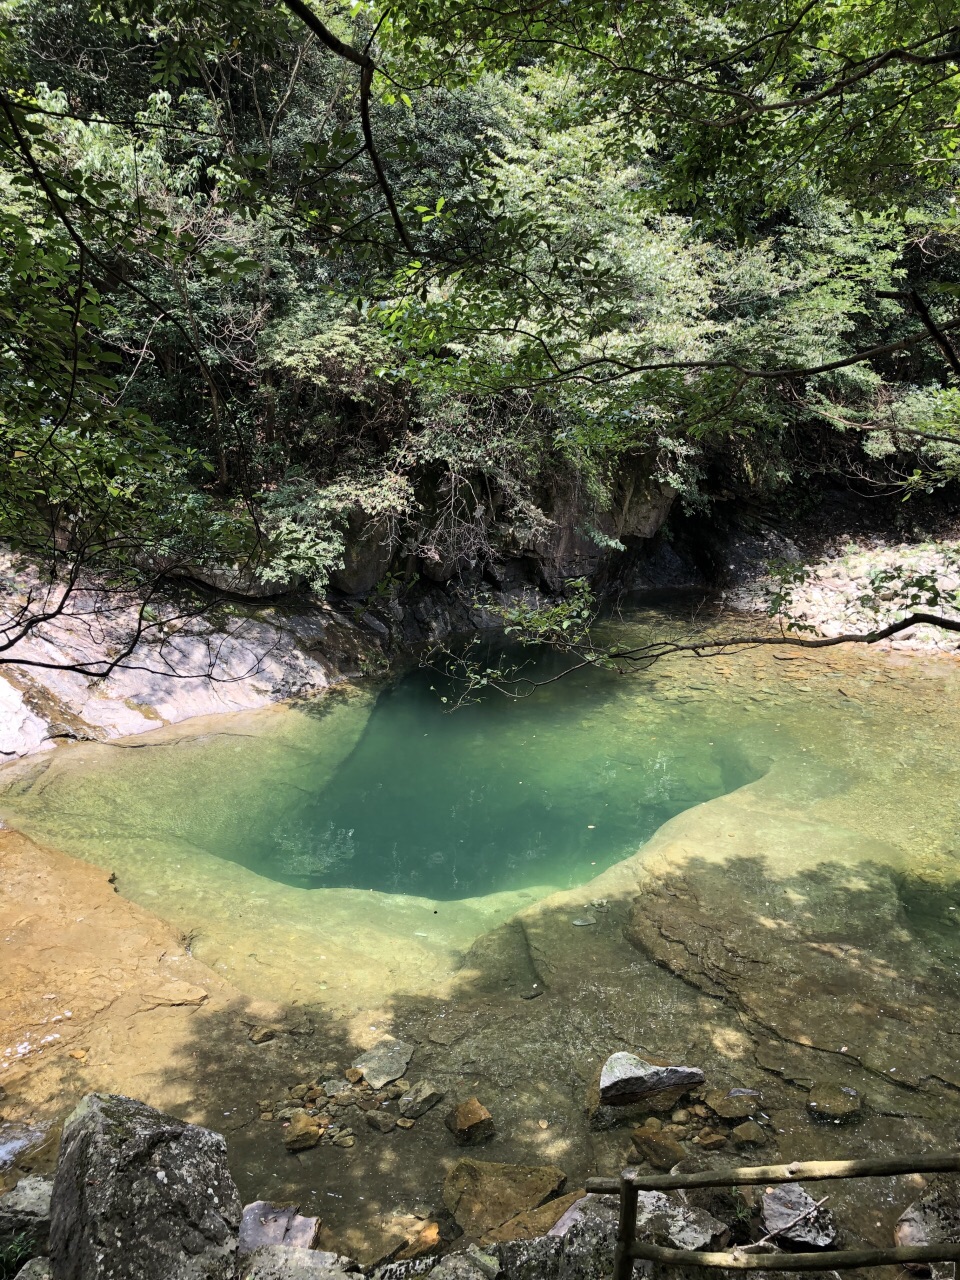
(25, 1213)
(790, 1214)
(659, 1149)
(483, 1195)
(419, 1099)
(748, 1134)
(142, 1195)
(834, 1104)
(386, 1062)
(626, 1079)
(733, 1104)
(470, 1122)
(302, 1132)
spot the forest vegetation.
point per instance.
(273, 274)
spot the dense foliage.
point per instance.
(273, 277)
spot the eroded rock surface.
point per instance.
(482, 1195)
(141, 1195)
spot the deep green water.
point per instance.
(494, 796)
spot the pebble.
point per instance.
(582, 921)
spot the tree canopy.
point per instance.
(268, 270)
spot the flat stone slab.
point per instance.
(626, 1079)
(790, 1213)
(264, 1224)
(482, 1195)
(385, 1063)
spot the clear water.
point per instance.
(406, 797)
(495, 796)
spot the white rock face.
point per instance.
(22, 731)
(179, 672)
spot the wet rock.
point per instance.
(933, 1219)
(533, 1222)
(425, 1243)
(25, 1212)
(280, 1262)
(419, 1099)
(138, 1193)
(627, 1079)
(482, 1195)
(264, 1224)
(733, 1104)
(381, 1121)
(404, 1122)
(260, 1035)
(712, 1140)
(748, 1134)
(470, 1122)
(301, 1133)
(834, 1104)
(659, 1149)
(353, 1074)
(388, 1061)
(791, 1215)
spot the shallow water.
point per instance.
(359, 843)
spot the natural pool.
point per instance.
(361, 842)
(751, 863)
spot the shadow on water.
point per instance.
(767, 982)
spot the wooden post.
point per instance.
(626, 1228)
(631, 1181)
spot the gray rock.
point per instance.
(25, 1211)
(933, 1219)
(488, 1263)
(35, 1269)
(388, 1061)
(418, 1100)
(535, 1259)
(780, 1207)
(405, 1270)
(265, 1224)
(283, 1262)
(141, 1196)
(626, 1079)
(458, 1266)
(332, 1087)
(660, 1219)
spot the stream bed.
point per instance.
(751, 863)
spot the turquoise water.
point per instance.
(387, 789)
(496, 795)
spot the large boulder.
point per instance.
(139, 1195)
(482, 1195)
(25, 1213)
(626, 1079)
